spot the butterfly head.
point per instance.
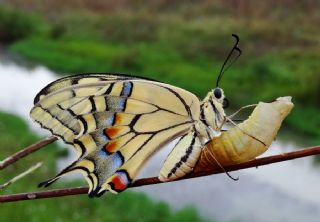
(212, 110)
(218, 96)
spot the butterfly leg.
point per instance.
(239, 110)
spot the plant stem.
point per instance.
(26, 151)
(154, 180)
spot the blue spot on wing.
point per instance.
(117, 160)
(103, 153)
(124, 176)
(104, 137)
(121, 103)
(110, 120)
(127, 89)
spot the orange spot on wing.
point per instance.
(118, 119)
(111, 147)
(112, 132)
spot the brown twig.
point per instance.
(26, 151)
(154, 180)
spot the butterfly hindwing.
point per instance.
(182, 158)
(127, 172)
(114, 122)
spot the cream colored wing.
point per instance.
(115, 124)
(182, 158)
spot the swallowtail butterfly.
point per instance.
(115, 122)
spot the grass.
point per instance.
(16, 24)
(128, 206)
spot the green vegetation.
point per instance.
(129, 206)
(16, 24)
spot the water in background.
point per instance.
(286, 191)
(20, 84)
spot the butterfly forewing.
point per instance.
(114, 122)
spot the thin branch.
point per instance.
(154, 180)
(26, 151)
(21, 175)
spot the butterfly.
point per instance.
(115, 122)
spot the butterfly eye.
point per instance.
(217, 93)
(225, 103)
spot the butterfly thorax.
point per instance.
(212, 117)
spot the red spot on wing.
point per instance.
(111, 147)
(119, 183)
(112, 132)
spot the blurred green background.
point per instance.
(183, 43)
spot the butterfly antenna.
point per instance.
(224, 68)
